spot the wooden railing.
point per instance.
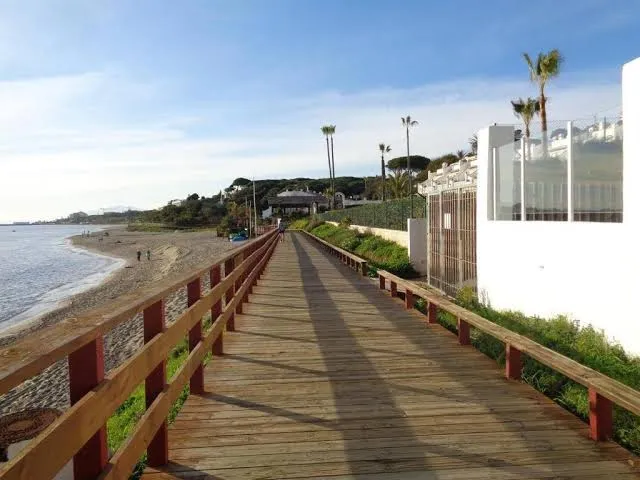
(345, 257)
(603, 390)
(81, 432)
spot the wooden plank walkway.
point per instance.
(327, 377)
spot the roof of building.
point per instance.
(296, 193)
(307, 198)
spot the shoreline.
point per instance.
(171, 253)
(30, 316)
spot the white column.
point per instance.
(570, 171)
(488, 139)
(417, 236)
(631, 143)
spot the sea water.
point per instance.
(39, 269)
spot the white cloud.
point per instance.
(86, 141)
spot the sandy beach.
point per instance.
(171, 253)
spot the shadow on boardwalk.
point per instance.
(331, 317)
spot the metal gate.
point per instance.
(452, 239)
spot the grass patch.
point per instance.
(124, 420)
(300, 224)
(585, 345)
(379, 253)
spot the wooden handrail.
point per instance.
(33, 353)
(77, 428)
(346, 257)
(603, 390)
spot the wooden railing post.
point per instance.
(196, 383)
(86, 371)
(600, 416)
(432, 313)
(464, 334)
(408, 299)
(228, 268)
(394, 288)
(381, 280)
(237, 261)
(365, 269)
(216, 310)
(513, 368)
(154, 384)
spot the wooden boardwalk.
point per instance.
(327, 377)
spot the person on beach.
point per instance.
(281, 228)
(139, 255)
(148, 254)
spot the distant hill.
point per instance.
(196, 210)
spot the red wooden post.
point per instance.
(600, 416)
(158, 449)
(86, 371)
(228, 268)
(432, 313)
(464, 334)
(382, 282)
(237, 261)
(513, 369)
(394, 289)
(196, 383)
(408, 299)
(216, 310)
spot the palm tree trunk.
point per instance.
(330, 175)
(383, 176)
(543, 122)
(333, 168)
(409, 173)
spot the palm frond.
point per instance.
(532, 69)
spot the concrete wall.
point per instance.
(588, 271)
(398, 236)
(417, 235)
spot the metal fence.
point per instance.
(391, 215)
(452, 239)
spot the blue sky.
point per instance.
(110, 102)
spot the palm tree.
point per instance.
(398, 183)
(332, 131)
(383, 149)
(546, 67)
(326, 131)
(526, 110)
(407, 123)
(461, 154)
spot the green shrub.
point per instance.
(380, 253)
(345, 222)
(300, 224)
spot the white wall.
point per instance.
(417, 236)
(588, 271)
(398, 236)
